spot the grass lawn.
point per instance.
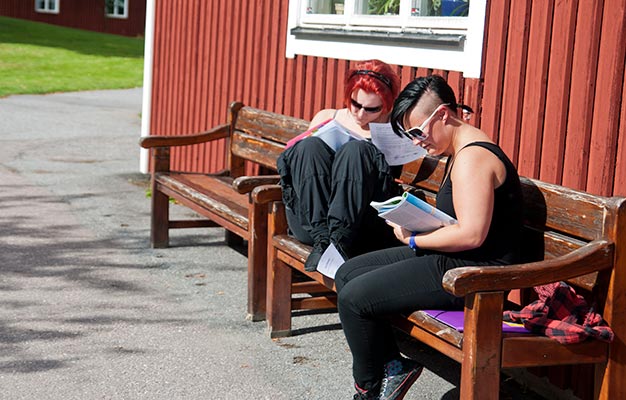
(43, 58)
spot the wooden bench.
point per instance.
(569, 236)
(223, 198)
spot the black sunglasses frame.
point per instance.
(415, 133)
(371, 110)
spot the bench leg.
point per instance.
(610, 376)
(279, 299)
(159, 229)
(257, 262)
(482, 346)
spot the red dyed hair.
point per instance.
(364, 76)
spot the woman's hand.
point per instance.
(402, 234)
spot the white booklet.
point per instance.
(330, 261)
(336, 135)
(412, 213)
(398, 150)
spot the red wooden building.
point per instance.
(120, 17)
(545, 77)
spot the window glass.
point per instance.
(377, 7)
(440, 8)
(414, 8)
(116, 8)
(48, 6)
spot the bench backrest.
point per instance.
(259, 136)
(557, 219)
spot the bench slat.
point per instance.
(276, 127)
(256, 149)
(437, 328)
(219, 200)
(523, 351)
(564, 210)
(415, 331)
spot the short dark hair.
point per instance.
(413, 92)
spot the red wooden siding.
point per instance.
(551, 92)
(81, 14)
(606, 116)
(207, 55)
(561, 71)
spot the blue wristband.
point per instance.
(412, 242)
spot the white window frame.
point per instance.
(446, 43)
(46, 8)
(115, 13)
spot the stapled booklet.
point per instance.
(412, 213)
(330, 262)
(331, 132)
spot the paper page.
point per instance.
(424, 206)
(382, 206)
(412, 218)
(398, 150)
(330, 262)
(335, 135)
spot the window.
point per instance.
(116, 8)
(440, 34)
(47, 6)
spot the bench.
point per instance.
(568, 236)
(223, 198)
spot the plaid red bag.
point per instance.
(562, 315)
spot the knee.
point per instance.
(356, 150)
(344, 300)
(310, 156)
(310, 147)
(340, 280)
(350, 300)
(344, 274)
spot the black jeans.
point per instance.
(372, 287)
(327, 194)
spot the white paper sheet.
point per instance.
(398, 150)
(330, 262)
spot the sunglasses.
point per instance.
(359, 106)
(418, 132)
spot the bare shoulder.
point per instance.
(322, 116)
(473, 162)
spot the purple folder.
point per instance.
(455, 320)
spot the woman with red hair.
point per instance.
(327, 193)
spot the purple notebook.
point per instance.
(455, 320)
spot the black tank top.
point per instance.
(503, 238)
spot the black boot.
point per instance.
(319, 247)
(342, 239)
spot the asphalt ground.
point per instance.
(89, 311)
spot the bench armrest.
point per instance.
(218, 132)
(245, 184)
(267, 193)
(594, 256)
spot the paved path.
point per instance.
(89, 311)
